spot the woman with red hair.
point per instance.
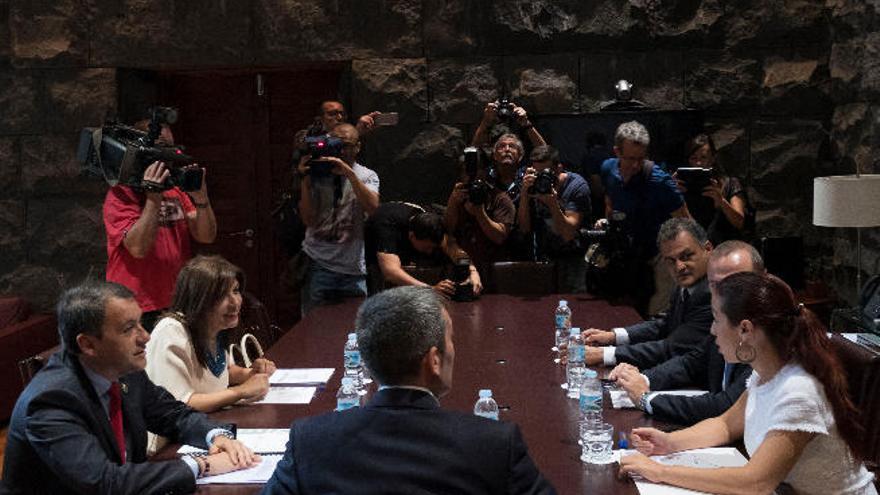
(797, 421)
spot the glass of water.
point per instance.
(596, 442)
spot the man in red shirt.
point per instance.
(148, 235)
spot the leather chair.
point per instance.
(28, 367)
(863, 373)
(521, 278)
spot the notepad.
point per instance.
(288, 395)
(301, 376)
(256, 474)
(698, 458)
(620, 399)
(260, 440)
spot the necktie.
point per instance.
(685, 296)
(116, 418)
(726, 377)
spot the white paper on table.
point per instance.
(256, 474)
(288, 395)
(698, 458)
(620, 399)
(852, 337)
(260, 440)
(301, 376)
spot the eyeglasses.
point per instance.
(335, 113)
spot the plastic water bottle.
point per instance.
(352, 362)
(486, 405)
(563, 323)
(576, 368)
(347, 397)
(591, 398)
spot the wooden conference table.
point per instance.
(501, 342)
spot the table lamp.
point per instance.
(848, 201)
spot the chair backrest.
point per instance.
(863, 373)
(255, 320)
(521, 278)
(29, 366)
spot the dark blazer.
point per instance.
(60, 439)
(403, 442)
(704, 369)
(681, 331)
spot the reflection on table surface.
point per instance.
(502, 343)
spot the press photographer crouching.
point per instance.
(479, 215)
(158, 202)
(553, 207)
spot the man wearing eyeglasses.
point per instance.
(333, 205)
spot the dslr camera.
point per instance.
(544, 182)
(505, 109)
(319, 147)
(120, 154)
(478, 190)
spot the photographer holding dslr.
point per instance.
(478, 214)
(555, 204)
(507, 151)
(337, 195)
(149, 226)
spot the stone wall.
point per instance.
(789, 90)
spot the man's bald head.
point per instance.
(733, 257)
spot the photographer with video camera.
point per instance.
(554, 207)
(337, 195)
(479, 215)
(507, 151)
(150, 222)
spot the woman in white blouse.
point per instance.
(798, 424)
(187, 353)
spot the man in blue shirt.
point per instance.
(647, 195)
(552, 220)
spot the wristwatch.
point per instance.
(643, 401)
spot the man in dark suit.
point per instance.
(81, 424)
(402, 441)
(703, 368)
(684, 248)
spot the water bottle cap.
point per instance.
(485, 393)
(352, 336)
(592, 373)
(575, 331)
(347, 380)
(563, 303)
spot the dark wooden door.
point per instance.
(240, 125)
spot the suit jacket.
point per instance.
(60, 440)
(403, 442)
(702, 368)
(681, 331)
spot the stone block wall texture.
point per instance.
(789, 88)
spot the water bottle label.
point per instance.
(562, 321)
(576, 353)
(590, 402)
(352, 359)
(489, 415)
(347, 403)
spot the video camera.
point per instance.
(320, 147)
(477, 189)
(120, 154)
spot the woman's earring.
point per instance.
(745, 353)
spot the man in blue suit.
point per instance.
(81, 424)
(402, 441)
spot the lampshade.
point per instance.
(846, 201)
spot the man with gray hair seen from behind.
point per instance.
(402, 441)
(648, 196)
